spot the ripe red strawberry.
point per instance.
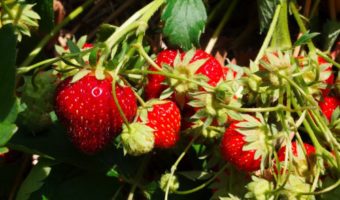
(211, 68)
(231, 149)
(88, 111)
(328, 105)
(154, 88)
(282, 152)
(157, 125)
(301, 166)
(165, 119)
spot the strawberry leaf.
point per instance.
(306, 37)
(266, 9)
(6, 132)
(184, 22)
(34, 180)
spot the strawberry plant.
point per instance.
(169, 99)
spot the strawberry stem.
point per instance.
(328, 59)
(266, 109)
(25, 69)
(174, 166)
(328, 189)
(269, 34)
(220, 26)
(204, 184)
(138, 176)
(301, 25)
(133, 23)
(120, 110)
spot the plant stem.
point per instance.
(120, 110)
(138, 177)
(215, 10)
(314, 8)
(54, 31)
(269, 34)
(328, 59)
(301, 25)
(328, 189)
(174, 166)
(220, 26)
(25, 69)
(204, 184)
(170, 75)
(132, 22)
(266, 109)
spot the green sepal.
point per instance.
(79, 75)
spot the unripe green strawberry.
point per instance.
(37, 94)
(87, 109)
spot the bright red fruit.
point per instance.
(165, 119)
(88, 111)
(154, 88)
(328, 105)
(231, 149)
(282, 152)
(211, 68)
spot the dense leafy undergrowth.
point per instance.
(169, 99)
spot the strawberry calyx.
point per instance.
(187, 75)
(210, 106)
(256, 135)
(138, 139)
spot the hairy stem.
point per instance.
(174, 166)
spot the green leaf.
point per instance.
(196, 175)
(266, 9)
(75, 49)
(7, 69)
(306, 37)
(184, 22)
(35, 180)
(6, 132)
(54, 144)
(113, 172)
(93, 57)
(331, 31)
